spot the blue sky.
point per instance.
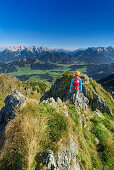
(57, 23)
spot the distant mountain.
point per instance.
(98, 55)
(21, 52)
(108, 83)
(42, 53)
(38, 49)
(33, 49)
(100, 71)
(55, 57)
(59, 50)
(96, 71)
(91, 55)
(77, 50)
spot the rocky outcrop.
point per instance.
(100, 104)
(51, 101)
(61, 89)
(78, 100)
(49, 160)
(54, 91)
(12, 101)
(66, 158)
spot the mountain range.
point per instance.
(99, 55)
(91, 55)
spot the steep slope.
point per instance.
(10, 83)
(108, 83)
(96, 71)
(59, 135)
(100, 71)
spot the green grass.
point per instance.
(39, 127)
(35, 129)
(87, 152)
(106, 144)
(30, 89)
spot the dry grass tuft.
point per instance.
(23, 136)
(32, 101)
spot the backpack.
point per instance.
(76, 83)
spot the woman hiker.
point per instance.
(76, 85)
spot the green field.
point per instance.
(27, 74)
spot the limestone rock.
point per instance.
(63, 159)
(49, 160)
(99, 113)
(65, 155)
(50, 101)
(11, 102)
(74, 154)
(100, 104)
(54, 103)
(78, 100)
(59, 101)
(56, 90)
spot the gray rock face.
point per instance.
(100, 104)
(59, 101)
(60, 89)
(78, 100)
(11, 102)
(49, 160)
(63, 159)
(54, 90)
(66, 155)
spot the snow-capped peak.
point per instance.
(30, 48)
(16, 48)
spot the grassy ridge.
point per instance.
(35, 129)
(39, 127)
